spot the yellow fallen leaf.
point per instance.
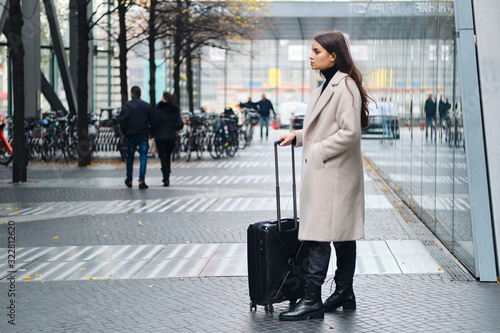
(140, 223)
(55, 237)
(186, 242)
(151, 285)
(105, 235)
(97, 232)
(227, 295)
(27, 278)
(82, 269)
(410, 294)
(21, 270)
(182, 279)
(37, 276)
(439, 268)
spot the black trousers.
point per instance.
(165, 149)
(319, 258)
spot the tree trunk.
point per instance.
(177, 52)
(189, 76)
(152, 64)
(83, 146)
(17, 55)
(122, 43)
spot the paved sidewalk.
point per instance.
(94, 256)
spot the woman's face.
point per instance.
(320, 58)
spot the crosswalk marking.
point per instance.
(214, 259)
(230, 204)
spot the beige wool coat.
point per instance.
(332, 200)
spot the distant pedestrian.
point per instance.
(249, 104)
(332, 199)
(265, 108)
(430, 116)
(443, 107)
(168, 121)
(136, 119)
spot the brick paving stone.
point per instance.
(175, 305)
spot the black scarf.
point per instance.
(328, 74)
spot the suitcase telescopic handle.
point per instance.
(294, 186)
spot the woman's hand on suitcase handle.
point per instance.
(286, 139)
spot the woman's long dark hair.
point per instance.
(335, 42)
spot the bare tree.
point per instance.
(193, 25)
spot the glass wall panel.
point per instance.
(416, 139)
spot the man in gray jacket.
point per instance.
(136, 120)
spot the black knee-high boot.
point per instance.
(311, 306)
(344, 294)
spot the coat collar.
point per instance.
(320, 100)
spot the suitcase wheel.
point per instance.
(253, 306)
(269, 308)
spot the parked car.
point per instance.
(297, 122)
(288, 110)
(376, 129)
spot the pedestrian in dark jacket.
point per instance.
(265, 108)
(135, 122)
(430, 116)
(169, 121)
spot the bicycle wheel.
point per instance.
(5, 154)
(232, 145)
(189, 148)
(216, 146)
(47, 150)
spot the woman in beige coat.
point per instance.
(332, 204)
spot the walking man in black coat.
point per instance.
(430, 116)
(136, 120)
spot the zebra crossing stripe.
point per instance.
(97, 268)
(190, 209)
(46, 208)
(119, 206)
(177, 249)
(153, 251)
(55, 269)
(21, 257)
(148, 206)
(123, 249)
(187, 204)
(37, 255)
(32, 210)
(79, 253)
(98, 252)
(160, 205)
(192, 251)
(133, 254)
(63, 253)
(208, 204)
(82, 208)
(117, 267)
(33, 270)
(173, 203)
(133, 269)
(235, 204)
(69, 271)
(158, 268)
(195, 271)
